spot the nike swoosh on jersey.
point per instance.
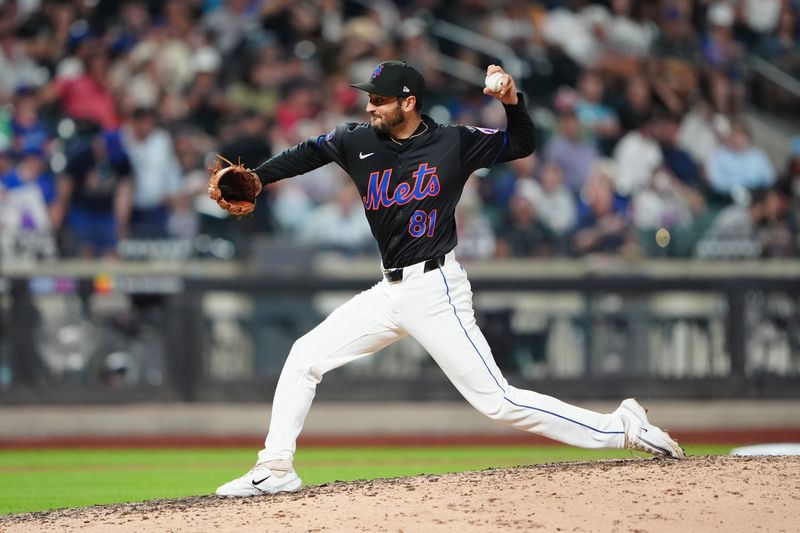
(364, 156)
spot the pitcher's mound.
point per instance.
(699, 494)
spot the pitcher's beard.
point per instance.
(387, 124)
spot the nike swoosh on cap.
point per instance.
(364, 156)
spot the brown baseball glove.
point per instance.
(234, 187)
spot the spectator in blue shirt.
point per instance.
(29, 130)
(31, 193)
(603, 224)
(572, 152)
(737, 163)
(94, 196)
(32, 169)
(597, 117)
(676, 159)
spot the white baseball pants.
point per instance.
(435, 308)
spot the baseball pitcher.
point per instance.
(410, 172)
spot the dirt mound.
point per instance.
(699, 494)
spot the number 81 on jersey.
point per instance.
(422, 223)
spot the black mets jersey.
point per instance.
(409, 187)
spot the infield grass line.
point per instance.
(38, 480)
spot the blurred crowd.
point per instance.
(113, 110)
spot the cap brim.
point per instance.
(372, 88)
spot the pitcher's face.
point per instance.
(385, 112)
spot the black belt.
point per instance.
(396, 274)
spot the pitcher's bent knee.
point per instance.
(301, 359)
(494, 406)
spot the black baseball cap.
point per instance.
(394, 78)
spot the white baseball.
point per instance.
(494, 82)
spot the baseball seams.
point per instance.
(494, 82)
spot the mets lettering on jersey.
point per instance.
(378, 188)
(409, 187)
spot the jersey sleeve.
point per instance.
(480, 147)
(306, 156)
(483, 147)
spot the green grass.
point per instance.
(37, 480)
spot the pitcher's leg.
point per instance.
(445, 326)
(358, 328)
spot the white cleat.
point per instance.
(261, 480)
(643, 436)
